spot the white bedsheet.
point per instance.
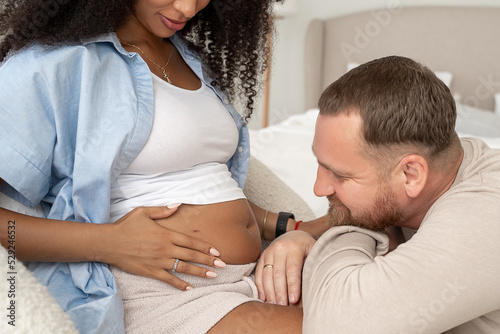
(285, 148)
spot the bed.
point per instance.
(459, 43)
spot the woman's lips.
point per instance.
(172, 24)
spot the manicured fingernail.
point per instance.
(214, 251)
(211, 274)
(292, 298)
(262, 297)
(189, 288)
(219, 263)
(173, 205)
(282, 303)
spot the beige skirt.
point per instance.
(152, 306)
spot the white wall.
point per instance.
(287, 71)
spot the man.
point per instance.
(389, 158)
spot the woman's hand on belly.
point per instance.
(228, 226)
(137, 244)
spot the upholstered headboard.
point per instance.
(462, 40)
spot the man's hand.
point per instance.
(279, 271)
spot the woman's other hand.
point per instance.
(139, 245)
(279, 271)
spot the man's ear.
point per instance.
(414, 170)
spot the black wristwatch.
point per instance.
(282, 222)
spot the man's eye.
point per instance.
(340, 177)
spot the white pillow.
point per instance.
(444, 76)
(477, 122)
(351, 65)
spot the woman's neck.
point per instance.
(133, 32)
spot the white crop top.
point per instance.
(184, 159)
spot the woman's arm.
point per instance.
(46, 240)
(314, 227)
(134, 243)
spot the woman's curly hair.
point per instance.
(229, 35)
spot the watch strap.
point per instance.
(282, 222)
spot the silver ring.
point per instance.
(176, 263)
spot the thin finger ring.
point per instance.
(268, 266)
(176, 263)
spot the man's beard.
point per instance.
(384, 213)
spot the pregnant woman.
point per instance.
(120, 112)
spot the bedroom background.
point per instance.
(287, 87)
(285, 145)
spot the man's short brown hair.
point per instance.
(402, 105)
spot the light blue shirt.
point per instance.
(71, 119)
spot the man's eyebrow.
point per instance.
(336, 171)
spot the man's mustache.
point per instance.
(335, 200)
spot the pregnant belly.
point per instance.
(230, 227)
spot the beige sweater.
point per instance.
(446, 278)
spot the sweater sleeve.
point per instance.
(434, 282)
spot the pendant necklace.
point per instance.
(162, 68)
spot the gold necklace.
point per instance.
(162, 68)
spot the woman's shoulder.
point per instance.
(37, 57)
(63, 67)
